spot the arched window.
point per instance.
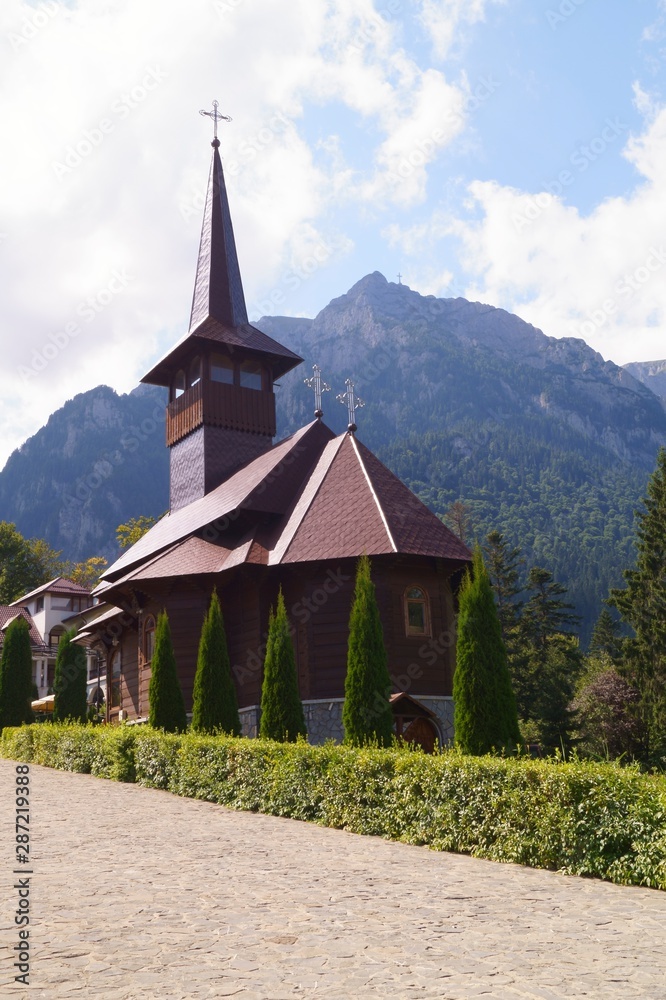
(195, 371)
(221, 369)
(148, 638)
(250, 375)
(417, 611)
(178, 385)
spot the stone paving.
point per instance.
(137, 893)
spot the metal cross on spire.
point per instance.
(217, 117)
(318, 386)
(352, 402)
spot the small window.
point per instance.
(148, 638)
(417, 618)
(250, 375)
(221, 369)
(195, 371)
(39, 606)
(178, 385)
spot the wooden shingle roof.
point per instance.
(311, 497)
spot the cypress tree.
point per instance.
(366, 713)
(16, 675)
(281, 708)
(485, 716)
(642, 604)
(70, 681)
(215, 705)
(167, 708)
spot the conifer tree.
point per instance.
(282, 716)
(16, 675)
(366, 713)
(70, 681)
(605, 636)
(167, 708)
(215, 705)
(549, 662)
(502, 563)
(484, 708)
(642, 604)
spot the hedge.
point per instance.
(580, 818)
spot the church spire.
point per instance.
(218, 288)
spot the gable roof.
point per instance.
(354, 504)
(59, 585)
(326, 497)
(258, 485)
(8, 612)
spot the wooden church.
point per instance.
(248, 516)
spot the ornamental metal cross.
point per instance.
(216, 116)
(315, 383)
(352, 402)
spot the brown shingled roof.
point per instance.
(8, 612)
(259, 484)
(59, 585)
(342, 502)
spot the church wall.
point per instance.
(206, 457)
(129, 682)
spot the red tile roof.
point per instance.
(59, 585)
(8, 612)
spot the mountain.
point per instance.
(542, 438)
(650, 373)
(99, 460)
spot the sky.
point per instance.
(509, 151)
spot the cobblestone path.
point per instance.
(137, 893)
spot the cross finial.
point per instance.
(315, 383)
(217, 117)
(399, 278)
(352, 402)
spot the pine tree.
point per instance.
(167, 708)
(503, 563)
(16, 675)
(549, 662)
(484, 708)
(642, 604)
(282, 716)
(366, 713)
(70, 681)
(605, 636)
(215, 705)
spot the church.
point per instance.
(248, 516)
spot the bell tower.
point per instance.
(220, 376)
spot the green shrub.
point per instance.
(580, 817)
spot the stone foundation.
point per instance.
(323, 718)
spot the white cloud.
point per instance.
(600, 276)
(444, 19)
